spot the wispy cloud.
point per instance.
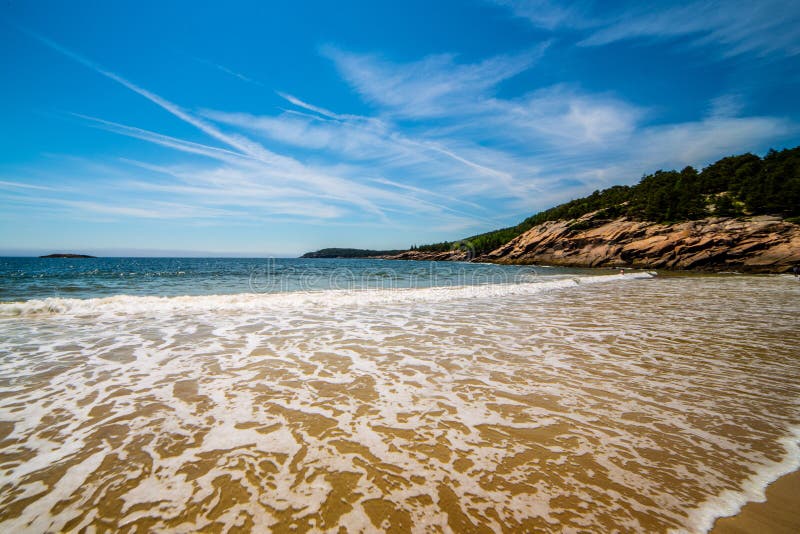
(727, 105)
(552, 143)
(352, 136)
(703, 140)
(732, 27)
(430, 87)
(461, 98)
(228, 71)
(21, 185)
(549, 14)
(281, 166)
(149, 210)
(316, 109)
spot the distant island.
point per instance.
(67, 256)
(739, 213)
(350, 253)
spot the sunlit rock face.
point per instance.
(758, 244)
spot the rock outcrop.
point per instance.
(450, 255)
(757, 244)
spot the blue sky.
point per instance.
(273, 128)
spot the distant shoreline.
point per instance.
(67, 256)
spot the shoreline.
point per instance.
(770, 508)
(716, 269)
(778, 514)
(457, 257)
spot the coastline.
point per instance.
(778, 514)
(458, 257)
(755, 245)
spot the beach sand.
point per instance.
(779, 514)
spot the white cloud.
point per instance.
(431, 87)
(529, 151)
(21, 185)
(546, 13)
(732, 27)
(241, 181)
(281, 167)
(705, 140)
(230, 72)
(554, 143)
(561, 114)
(727, 105)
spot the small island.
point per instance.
(67, 256)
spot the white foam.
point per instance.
(127, 304)
(753, 489)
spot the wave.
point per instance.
(730, 502)
(129, 304)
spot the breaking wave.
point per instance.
(127, 304)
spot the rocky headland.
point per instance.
(741, 213)
(756, 244)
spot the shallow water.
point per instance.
(619, 403)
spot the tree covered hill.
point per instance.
(735, 186)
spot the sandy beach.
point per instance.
(495, 408)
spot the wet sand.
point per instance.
(778, 515)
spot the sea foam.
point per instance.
(126, 304)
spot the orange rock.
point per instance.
(758, 244)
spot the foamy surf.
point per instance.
(753, 489)
(576, 406)
(127, 304)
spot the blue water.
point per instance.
(37, 278)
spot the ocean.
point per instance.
(23, 279)
(229, 395)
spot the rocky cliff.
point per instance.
(450, 255)
(757, 244)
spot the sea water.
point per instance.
(536, 400)
(38, 278)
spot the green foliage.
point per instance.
(731, 187)
(724, 206)
(436, 247)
